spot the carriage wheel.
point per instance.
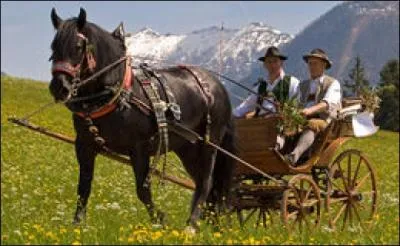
(351, 181)
(263, 215)
(301, 204)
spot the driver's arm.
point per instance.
(246, 106)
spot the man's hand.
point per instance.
(306, 112)
(320, 107)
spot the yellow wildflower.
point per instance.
(63, 230)
(77, 231)
(217, 235)
(76, 243)
(156, 235)
(31, 237)
(37, 227)
(175, 233)
(130, 239)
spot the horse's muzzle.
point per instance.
(60, 87)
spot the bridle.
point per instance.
(76, 72)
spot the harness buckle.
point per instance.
(176, 110)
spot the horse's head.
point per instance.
(79, 49)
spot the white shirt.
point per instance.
(333, 96)
(250, 103)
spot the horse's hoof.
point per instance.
(76, 222)
(159, 218)
(79, 218)
(190, 230)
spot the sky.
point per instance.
(26, 29)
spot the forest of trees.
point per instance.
(387, 116)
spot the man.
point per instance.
(279, 87)
(321, 98)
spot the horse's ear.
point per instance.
(119, 32)
(55, 19)
(81, 19)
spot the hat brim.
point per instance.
(262, 58)
(328, 62)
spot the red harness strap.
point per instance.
(108, 108)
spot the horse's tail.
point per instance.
(224, 169)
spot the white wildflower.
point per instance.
(114, 206)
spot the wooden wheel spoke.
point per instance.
(296, 195)
(264, 217)
(240, 217)
(339, 213)
(353, 182)
(339, 188)
(310, 203)
(343, 178)
(249, 216)
(308, 193)
(362, 181)
(292, 214)
(335, 200)
(259, 218)
(346, 214)
(350, 214)
(358, 216)
(294, 204)
(301, 190)
(356, 212)
(270, 215)
(349, 171)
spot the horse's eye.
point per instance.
(79, 47)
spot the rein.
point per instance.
(169, 62)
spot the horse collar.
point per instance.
(112, 104)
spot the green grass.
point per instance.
(39, 179)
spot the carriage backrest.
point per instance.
(256, 134)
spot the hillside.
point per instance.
(39, 181)
(369, 29)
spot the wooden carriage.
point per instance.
(346, 183)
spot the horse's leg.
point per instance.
(86, 156)
(203, 183)
(140, 162)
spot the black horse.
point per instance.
(81, 49)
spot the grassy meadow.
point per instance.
(39, 179)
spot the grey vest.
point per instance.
(321, 91)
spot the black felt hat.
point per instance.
(273, 52)
(319, 53)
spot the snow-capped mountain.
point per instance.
(148, 43)
(238, 48)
